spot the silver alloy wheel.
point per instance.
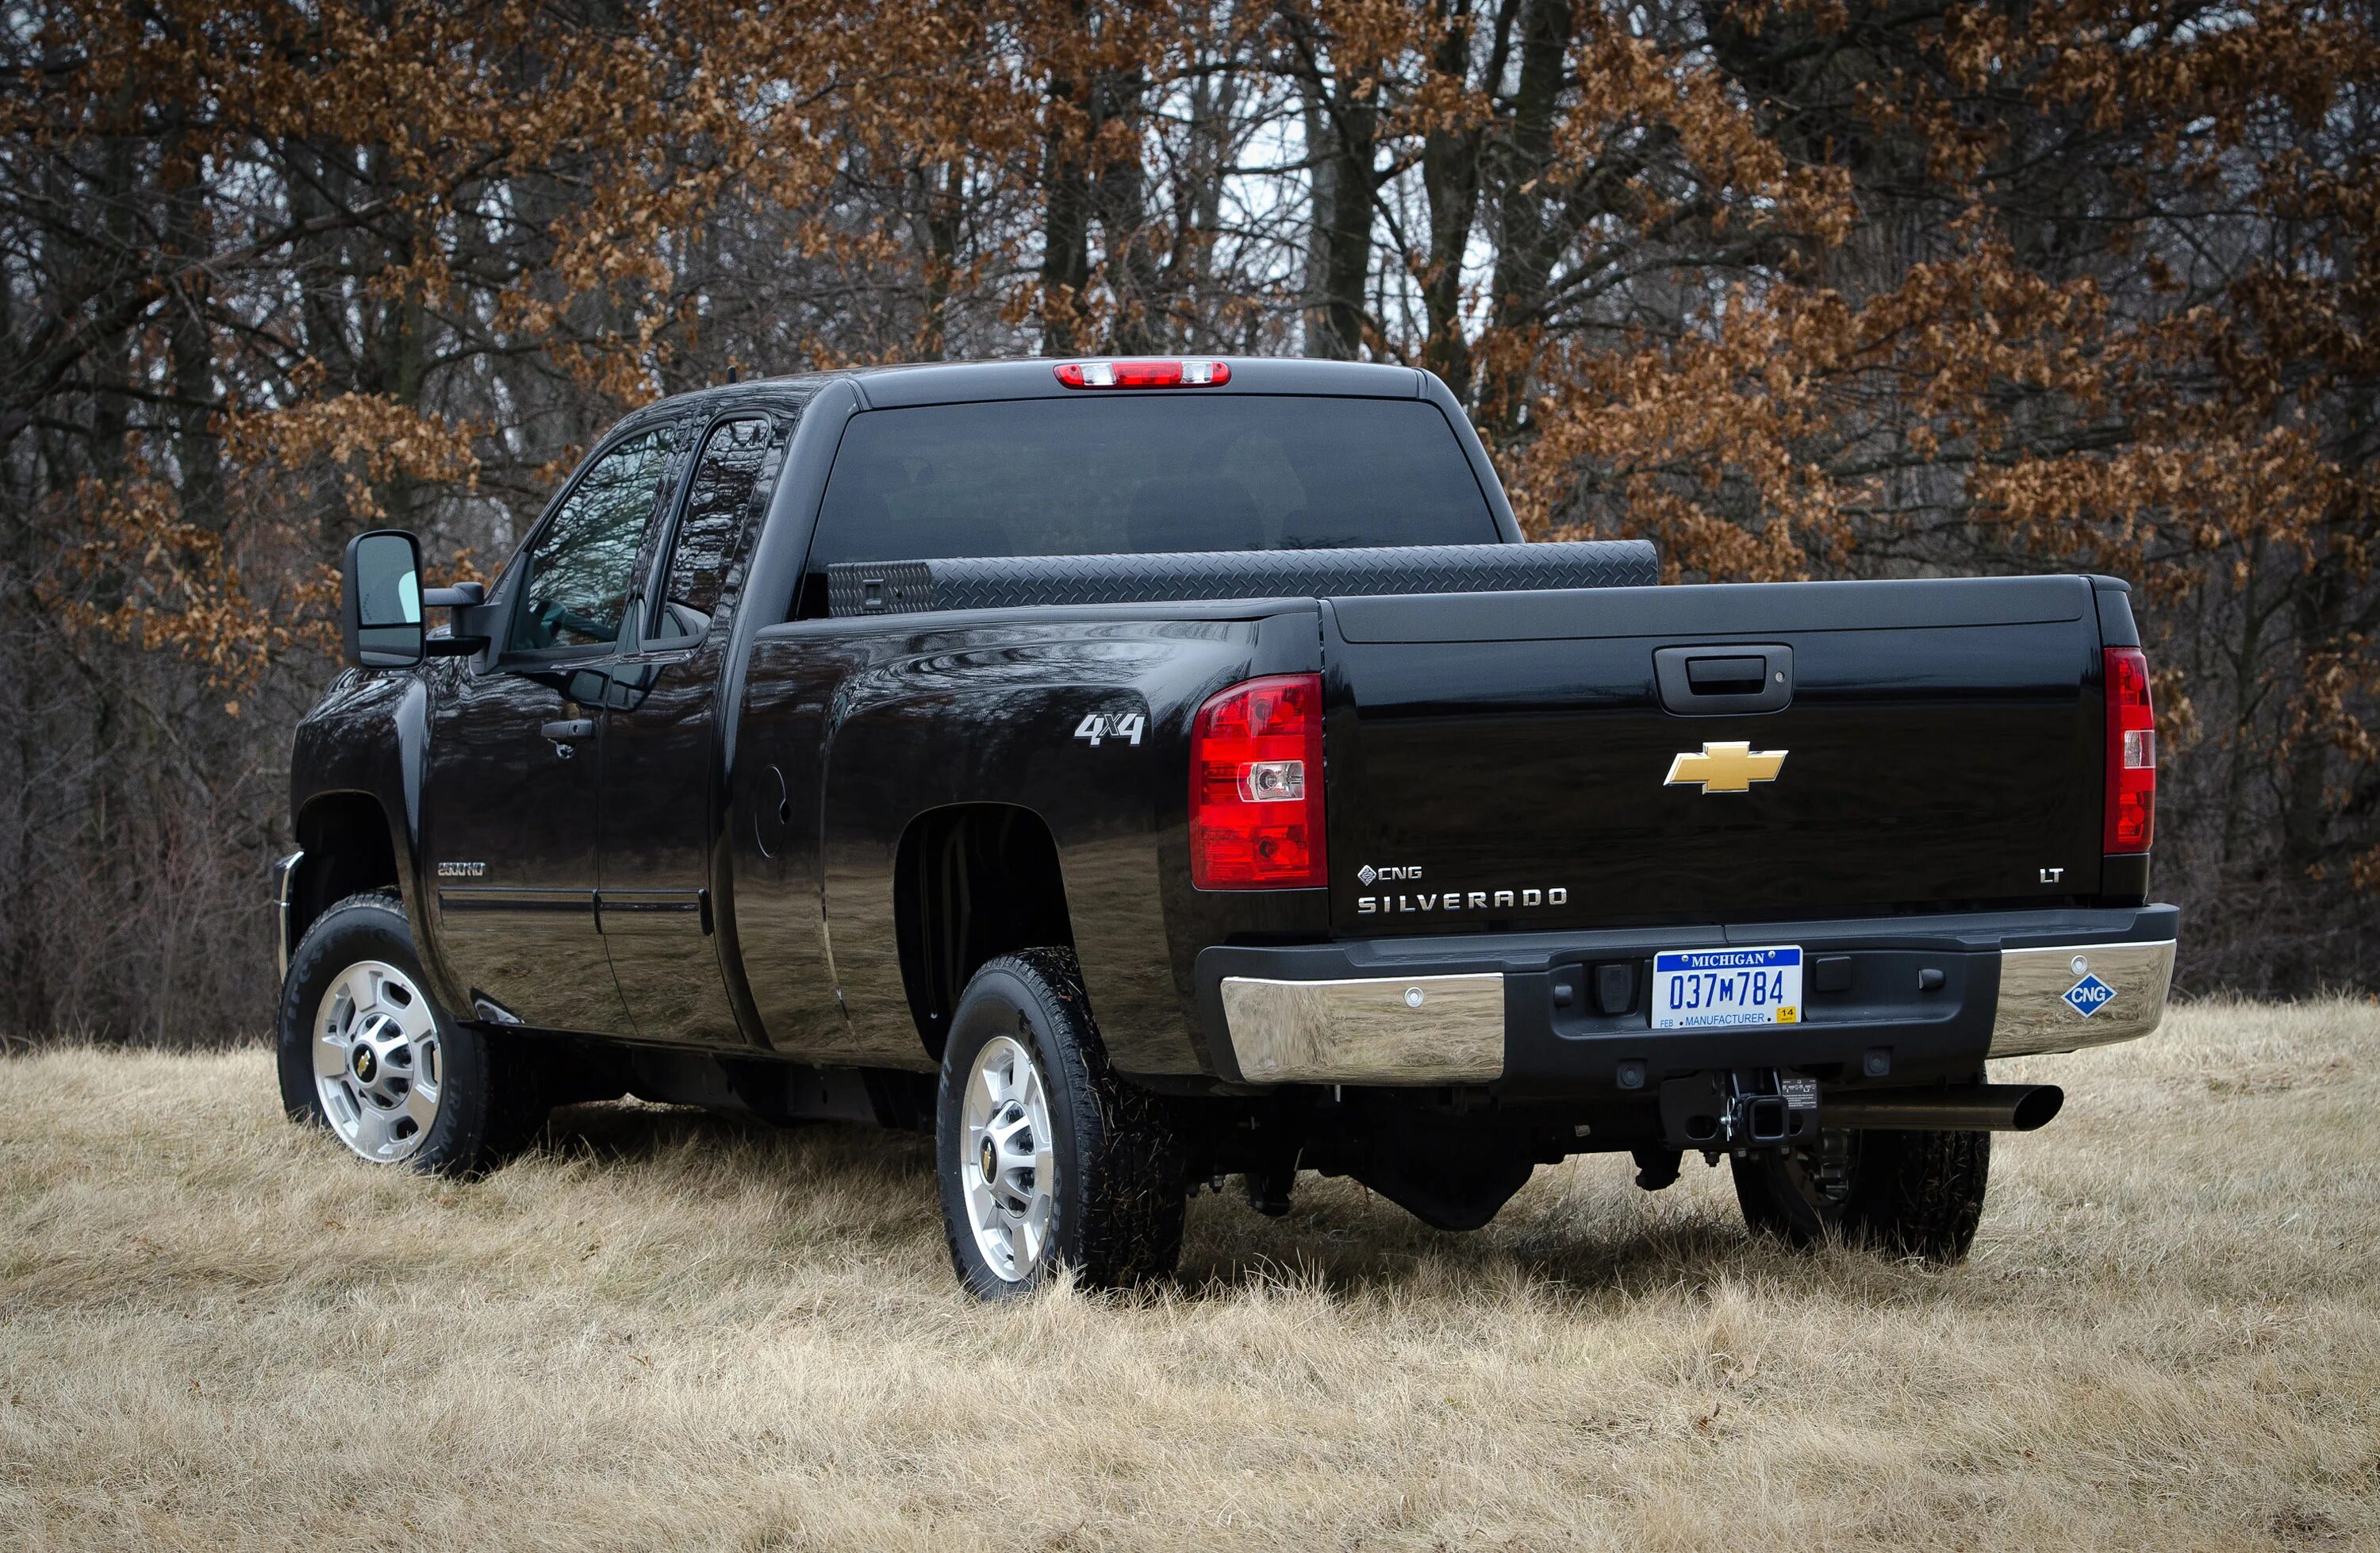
(1006, 1161)
(377, 1064)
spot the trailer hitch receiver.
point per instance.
(1748, 1109)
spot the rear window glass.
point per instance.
(1118, 475)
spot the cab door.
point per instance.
(512, 798)
(663, 803)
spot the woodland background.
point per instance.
(1802, 289)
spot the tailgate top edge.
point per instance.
(1715, 609)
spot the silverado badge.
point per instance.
(1725, 768)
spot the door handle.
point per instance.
(574, 727)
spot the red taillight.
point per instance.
(1144, 374)
(2131, 752)
(1255, 787)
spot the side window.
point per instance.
(718, 509)
(580, 569)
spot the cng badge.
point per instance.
(2089, 996)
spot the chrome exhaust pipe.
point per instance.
(1976, 1108)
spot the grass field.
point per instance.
(665, 1332)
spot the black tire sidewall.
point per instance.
(1911, 1194)
(1007, 998)
(1924, 1196)
(1775, 1203)
(366, 927)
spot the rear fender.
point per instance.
(1083, 722)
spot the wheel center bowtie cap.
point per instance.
(989, 1158)
(365, 1063)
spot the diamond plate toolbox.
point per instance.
(862, 588)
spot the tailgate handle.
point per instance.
(1726, 675)
(1716, 680)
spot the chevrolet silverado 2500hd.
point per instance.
(1146, 773)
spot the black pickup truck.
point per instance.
(1148, 773)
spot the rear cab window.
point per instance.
(725, 494)
(1127, 476)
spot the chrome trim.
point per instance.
(285, 874)
(1404, 1030)
(2034, 1017)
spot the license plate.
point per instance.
(1695, 989)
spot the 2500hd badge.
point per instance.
(1008, 750)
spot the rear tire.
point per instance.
(1046, 1159)
(364, 1051)
(1908, 1193)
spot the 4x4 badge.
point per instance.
(1725, 768)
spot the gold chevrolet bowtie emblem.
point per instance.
(1725, 768)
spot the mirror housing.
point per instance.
(473, 620)
(382, 598)
(379, 600)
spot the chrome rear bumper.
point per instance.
(1456, 1023)
(2034, 1015)
(1416, 1029)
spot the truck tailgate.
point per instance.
(1512, 761)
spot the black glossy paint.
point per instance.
(1925, 765)
(751, 798)
(524, 809)
(771, 848)
(662, 770)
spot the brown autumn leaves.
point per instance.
(1797, 289)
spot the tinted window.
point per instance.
(580, 568)
(718, 503)
(1119, 476)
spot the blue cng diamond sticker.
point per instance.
(2089, 996)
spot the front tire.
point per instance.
(365, 1052)
(1045, 1157)
(1908, 1193)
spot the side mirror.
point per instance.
(380, 602)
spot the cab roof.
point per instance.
(924, 382)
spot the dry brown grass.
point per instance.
(665, 1332)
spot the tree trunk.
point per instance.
(189, 338)
(1531, 235)
(1120, 201)
(1065, 216)
(1213, 102)
(1342, 140)
(1450, 175)
(944, 208)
